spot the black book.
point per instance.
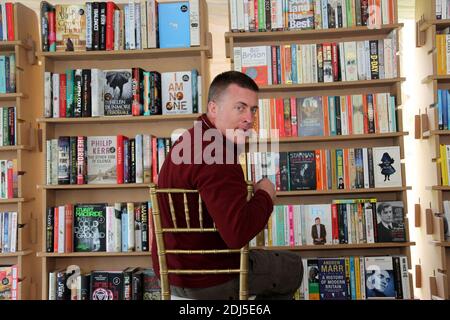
(85, 286)
(50, 227)
(78, 93)
(90, 228)
(302, 169)
(45, 8)
(144, 226)
(337, 106)
(100, 286)
(374, 60)
(96, 26)
(62, 292)
(63, 160)
(136, 285)
(102, 32)
(151, 287)
(284, 171)
(132, 160)
(115, 284)
(73, 160)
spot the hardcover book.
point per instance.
(387, 167)
(176, 89)
(90, 228)
(118, 92)
(102, 160)
(70, 27)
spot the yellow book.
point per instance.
(441, 44)
(444, 166)
(357, 279)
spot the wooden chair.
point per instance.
(165, 270)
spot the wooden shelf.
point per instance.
(123, 54)
(441, 188)
(94, 186)
(341, 85)
(121, 119)
(15, 254)
(93, 254)
(341, 246)
(15, 148)
(11, 96)
(440, 24)
(10, 45)
(339, 191)
(440, 132)
(15, 200)
(311, 35)
(439, 78)
(338, 138)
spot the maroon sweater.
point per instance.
(224, 193)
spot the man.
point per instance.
(378, 283)
(193, 164)
(385, 224)
(318, 232)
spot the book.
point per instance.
(176, 91)
(70, 27)
(390, 222)
(302, 165)
(174, 25)
(118, 93)
(310, 113)
(379, 278)
(102, 159)
(387, 167)
(90, 228)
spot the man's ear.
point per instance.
(212, 109)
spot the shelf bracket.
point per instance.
(417, 215)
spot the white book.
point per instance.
(139, 178)
(194, 22)
(246, 16)
(358, 114)
(173, 86)
(362, 278)
(48, 157)
(377, 268)
(2, 124)
(279, 15)
(131, 21)
(439, 9)
(55, 101)
(88, 25)
(48, 104)
(344, 116)
(342, 61)
(368, 212)
(314, 78)
(52, 285)
(351, 65)
(117, 29)
(233, 15)
(55, 153)
(444, 9)
(388, 58)
(344, 13)
(387, 167)
(367, 59)
(61, 228)
(97, 93)
(385, 11)
(382, 110)
(269, 64)
(240, 15)
(137, 25)
(361, 60)
(366, 168)
(13, 233)
(200, 93)
(110, 245)
(117, 227)
(147, 158)
(323, 212)
(4, 25)
(381, 59)
(405, 278)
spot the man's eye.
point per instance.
(254, 110)
(239, 108)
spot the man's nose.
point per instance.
(248, 116)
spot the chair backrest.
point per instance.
(164, 269)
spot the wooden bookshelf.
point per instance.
(433, 251)
(24, 152)
(161, 60)
(338, 88)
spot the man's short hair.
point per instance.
(383, 206)
(223, 80)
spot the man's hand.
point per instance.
(266, 185)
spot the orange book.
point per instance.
(288, 63)
(323, 164)
(348, 100)
(319, 181)
(280, 116)
(282, 65)
(294, 123)
(55, 228)
(365, 114)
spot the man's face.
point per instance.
(382, 280)
(386, 215)
(317, 221)
(234, 112)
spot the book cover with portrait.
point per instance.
(379, 277)
(323, 213)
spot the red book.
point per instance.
(10, 20)
(81, 160)
(62, 95)
(10, 173)
(335, 61)
(318, 171)
(334, 224)
(52, 30)
(120, 159)
(366, 114)
(294, 118)
(154, 160)
(68, 224)
(349, 113)
(110, 7)
(280, 116)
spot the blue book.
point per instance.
(2, 74)
(444, 109)
(294, 63)
(332, 279)
(174, 25)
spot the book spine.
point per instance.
(88, 26)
